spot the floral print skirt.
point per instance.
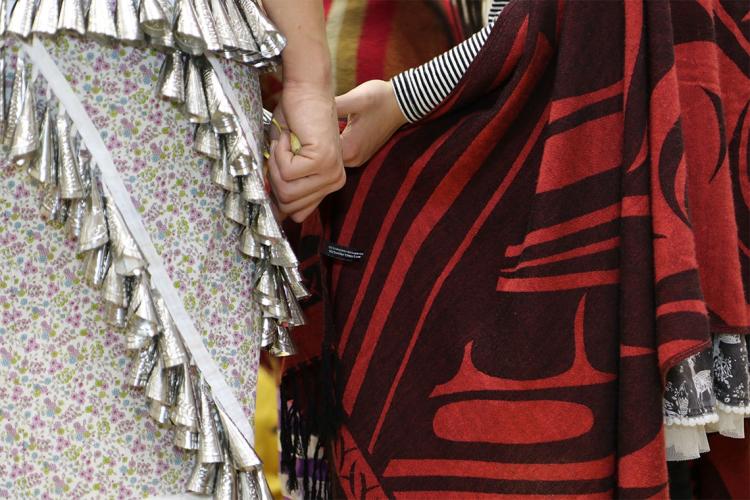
(70, 426)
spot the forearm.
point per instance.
(306, 59)
(420, 90)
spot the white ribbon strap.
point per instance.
(222, 393)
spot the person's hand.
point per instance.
(305, 168)
(373, 117)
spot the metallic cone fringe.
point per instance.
(71, 17)
(128, 27)
(195, 98)
(187, 31)
(101, 22)
(47, 14)
(21, 18)
(172, 79)
(44, 168)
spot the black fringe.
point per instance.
(310, 406)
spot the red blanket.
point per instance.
(571, 223)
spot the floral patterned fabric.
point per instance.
(70, 427)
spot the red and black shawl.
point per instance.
(571, 223)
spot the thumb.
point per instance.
(350, 103)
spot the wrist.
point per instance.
(398, 117)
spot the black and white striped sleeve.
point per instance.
(420, 90)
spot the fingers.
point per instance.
(290, 166)
(352, 102)
(351, 145)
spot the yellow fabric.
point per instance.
(266, 428)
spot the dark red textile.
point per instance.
(573, 222)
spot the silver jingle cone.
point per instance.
(266, 226)
(3, 19)
(294, 280)
(210, 445)
(172, 350)
(142, 302)
(240, 155)
(21, 18)
(248, 490)
(139, 334)
(220, 174)
(128, 258)
(284, 346)
(224, 33)
(17, 98)
(268, 332)
(116, 316)
(43, 169)
(157, 387)
(253, 188)
(101, 22)
(282, 254)
(114, 288)
(76, 211)
(226, 481)
(47, 14)
(195, 96)
(260, 480)
(159, 412)
(219, 108)
(128, 27)
(153, 19)
(269, 39)
(206, 141)
(185, 411)
(206, 23)
(186, 439)
(202, 479)
(242, 33)
(171, 84)
(71, 186)
(2, 94)
(235, 208)
(296, 316)
(26, 136)
(94, 231)
(97, 263)
(165, 41)
(243, 454)
(248, 244)
(187, 32)
(143, 366)
(71, 17)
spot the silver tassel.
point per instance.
(240, 154)
(45, 22)
(43, 168)
(114, 289)
(171, 84)
(3, 116)
(21, 18)
(101, 22)
(128, 258)
(128, 27)
(247, 487)
(282, 254)
(159, 412)
(195, 97)
(294, 280)
(71, 17)
(284, 346)
(265, 225)
(3, 20)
